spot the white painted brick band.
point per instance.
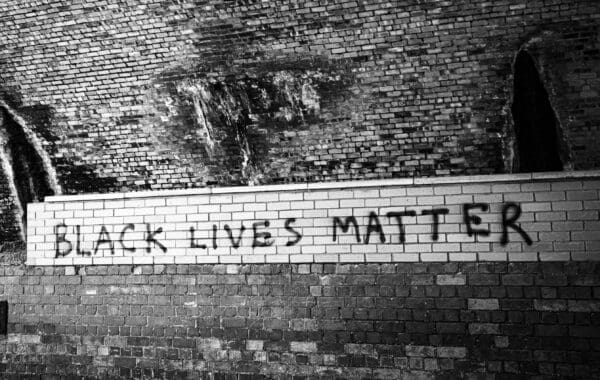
(523, 217)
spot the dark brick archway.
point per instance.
(535, 122)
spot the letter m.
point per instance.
(345, 226)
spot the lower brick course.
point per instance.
(403, 320)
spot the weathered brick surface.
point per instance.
(173, 94)
(303, 321)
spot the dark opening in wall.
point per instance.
(534, 120)
(3, 317)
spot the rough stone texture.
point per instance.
(162, 94)
(304, 321)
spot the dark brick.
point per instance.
(483, 279)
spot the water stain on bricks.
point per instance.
(232, 125)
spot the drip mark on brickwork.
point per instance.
(25, 163)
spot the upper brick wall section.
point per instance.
(173, 94)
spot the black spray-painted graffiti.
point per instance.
(261, 237)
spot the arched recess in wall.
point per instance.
(25, 165)
(535, 122)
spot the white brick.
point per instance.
(198, 200)
(207, 259)
(266, 215)
(352, 258)
(164, 259)
(340, 212)
(430, 200)
(127, 260)
(423, 248)
(403, 201)
(141, 260)
(144, 211)
(458, 199)
(314, 195)
(314, 213)
(352, 203)
(303, 258)
(185, 259)
(341, 248)
(378, 257)
(462, 256)
(73, 206)
(186, 209)
(341, 194)
(277, 259)
(518, 197)
(63, 261)
(445, 190)
(155, 202)
(425, 257)
(234, 207)
(378, 202)
(124, 211)
(446, 247)
(92, 205)
(175, 218)
(267, 197)
(58, 206)
(253, 259)
(114, 204)
(291, 196)
(63, 214)
(42, 262)
(366, 193)
(363, 248)
(419, 191)
(327, 204)
(477, 188)
(153, 219)
(176, 201)
(104, 212)
(326, 258)
(102, 260)
(274, 206)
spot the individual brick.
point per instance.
(483, 304)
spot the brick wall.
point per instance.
(455, 306)
(172, 94)
(402, 320)
(546, 217)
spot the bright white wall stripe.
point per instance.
(523, 217)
